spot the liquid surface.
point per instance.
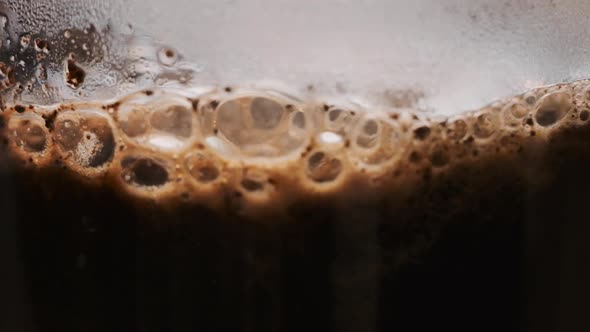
(269, 148)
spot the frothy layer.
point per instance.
(265, 149)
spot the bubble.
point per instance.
(422, 133)
(584, 115)
(86, 136)
(322, 167)
(485, 125)
(530, 98)
(518, 110)
(164, 121)
(175, 120)
(456, 130)
(132, 119)
(368, 135)
(375, 141)
(260, 126)
(29, 133)
(249, 120)
(202, 167)
(552, 108)
(144, 171)
(513, 113)
(67, 133)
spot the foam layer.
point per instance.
(266, 148)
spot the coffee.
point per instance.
(139, 195)
(250, 209)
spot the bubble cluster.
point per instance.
(244, 140)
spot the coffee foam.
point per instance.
(266, 149)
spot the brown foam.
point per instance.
(269, 150)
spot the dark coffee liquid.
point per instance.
(395, 222)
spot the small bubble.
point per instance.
(422, 133)
(323, 168)
(519, 110)
(371, 128)
(456, 130)
(252, 185)
(368, 136)
(485, 125)
(29, 135)
(530, 99)
(202, 167)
